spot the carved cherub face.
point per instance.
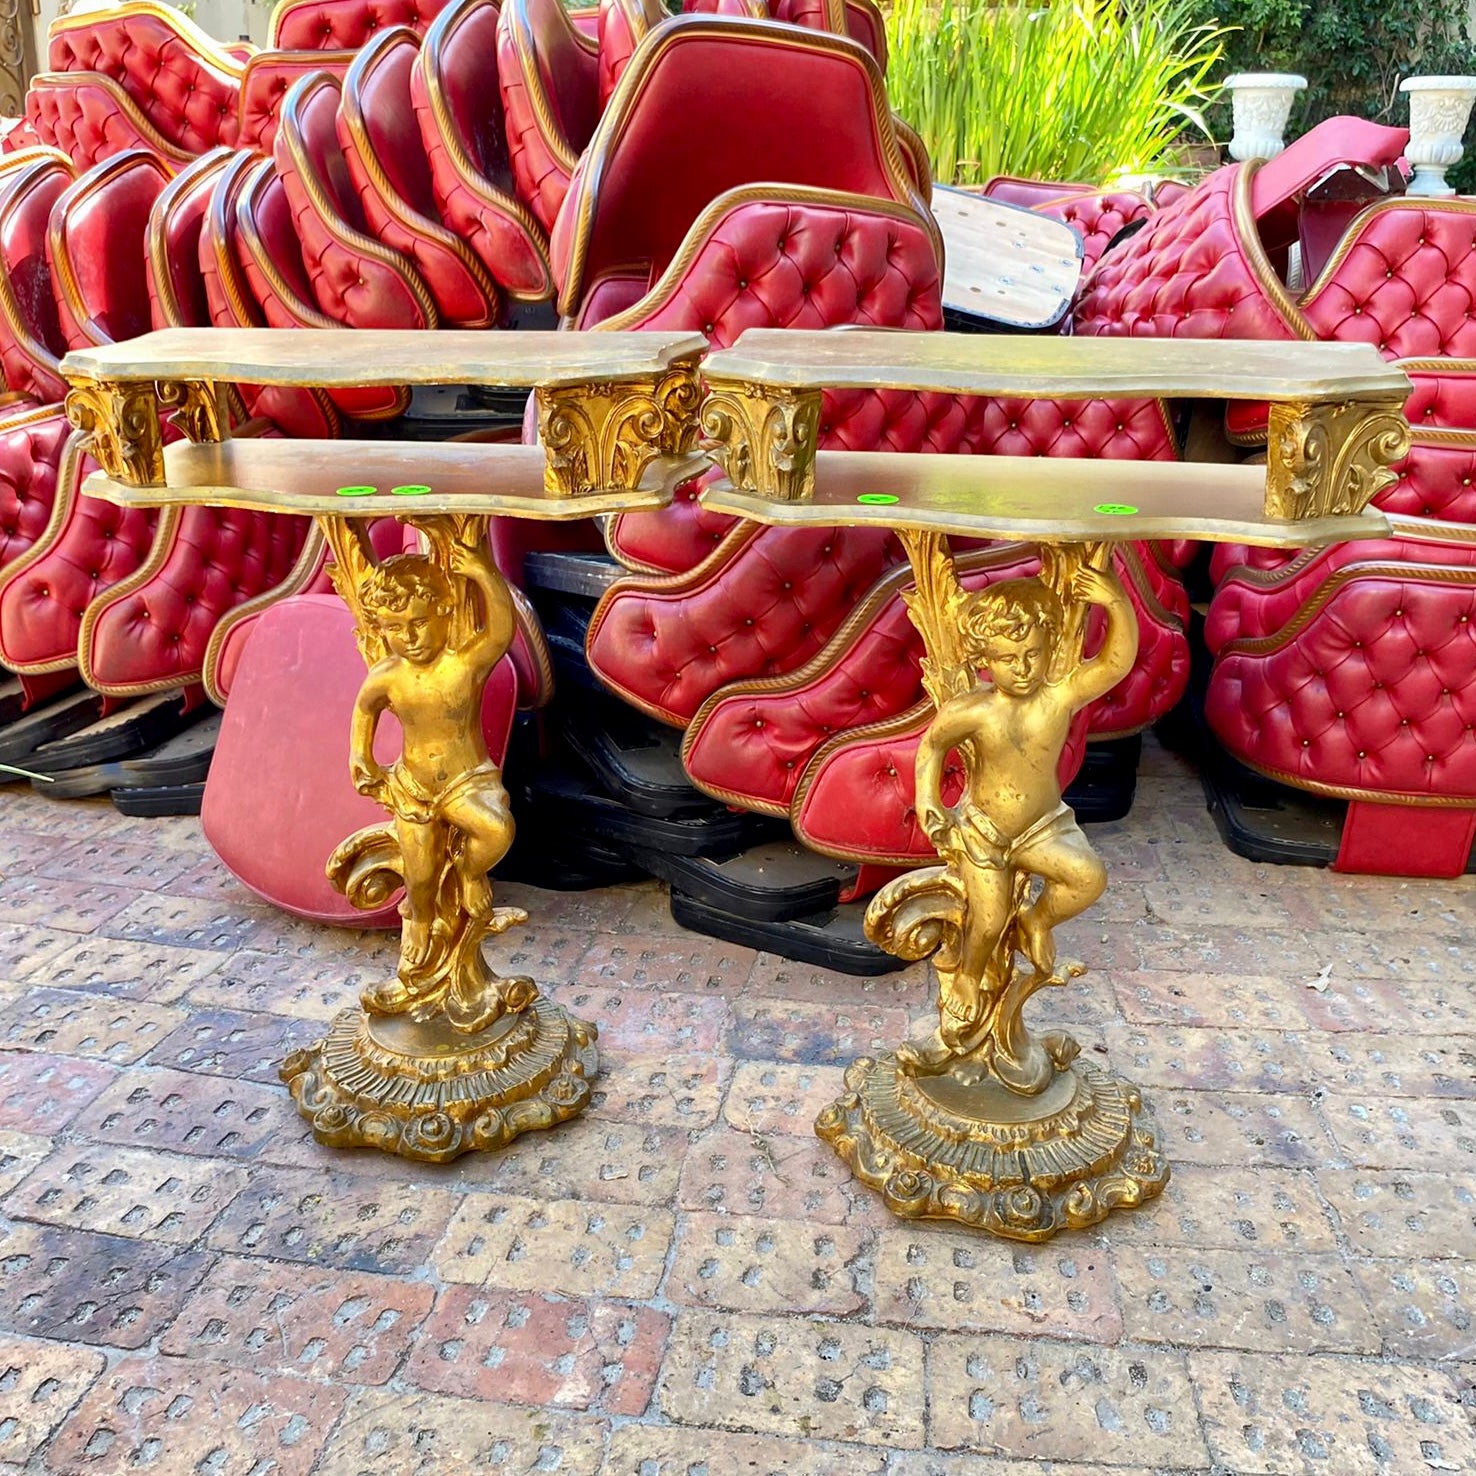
(412, 600)
(1009, 628)
(417, 633)
(1018, 666)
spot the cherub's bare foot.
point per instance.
(415, 941)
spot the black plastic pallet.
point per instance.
(1107, 781)
(778, 881)
(834, 939)
(172, 799)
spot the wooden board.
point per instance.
(304, 477)
(1042, 499)
(1050, 368)
(1005, 265)
(332, 359)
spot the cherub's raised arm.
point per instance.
(1095, 678)
(496, 632)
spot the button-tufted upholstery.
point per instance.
(264, 246)
(733, 603)
(1367, 690)
(31, 442)
(779, 107)
(88, 545)
(858, 800)
(344, 25)
(387, 163)
(184, 83)
(549, 75)
(304, 414)
(96, 246)
(265, 82)
(89, 117)
(356, 280)
(458, 107)
(31, 342)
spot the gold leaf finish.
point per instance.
(981, 1121)
(121, 420)
(763, 438)
(604, 435)
(446, 1056)
(1331, 460)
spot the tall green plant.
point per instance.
(1079, 91)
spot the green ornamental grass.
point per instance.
(1091, 91)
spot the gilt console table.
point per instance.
(981, 1120)
(446, 1056)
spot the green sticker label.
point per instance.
(1115, 509)
(410, 489)
(357, 491)
(877, 499)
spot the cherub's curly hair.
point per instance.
(1009, 611)
(406, 581)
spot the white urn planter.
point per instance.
(1439, 109)
(1261, 103)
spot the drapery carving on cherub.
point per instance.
(1016, 865)
(430, 629)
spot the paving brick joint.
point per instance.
(686, 1282)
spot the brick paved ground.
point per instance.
(685, 1282)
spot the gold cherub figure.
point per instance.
(433, 628)
(1010, 828)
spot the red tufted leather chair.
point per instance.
(31, 443)
(31, 342)
(459, 110)
(1095, 215)
(549, 75)
(96, 248)
(305, 414)
(90, 117)
(183, 81)
(356, 280)
(344, 25)
(148, 632)
(623, 26)
(821, 120)
(265, 82)
(380, 138)
(723, 602)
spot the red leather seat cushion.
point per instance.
(278, 799)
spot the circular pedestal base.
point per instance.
(423, 1091)
(1021, 1167)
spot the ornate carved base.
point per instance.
(423, 1091)
(1021, 1167)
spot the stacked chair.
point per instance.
(1340, 692)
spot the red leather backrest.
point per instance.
(864, 23)
(345, 25)
(273, 234)
(753, 9)
(462, 50)
(777, 104)
(623, 25)
(316, 121)
(265, 82)
(176, 288)
(185, 85)
(96, 245)
(28, 194)
(568, 69)
(380, 82)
